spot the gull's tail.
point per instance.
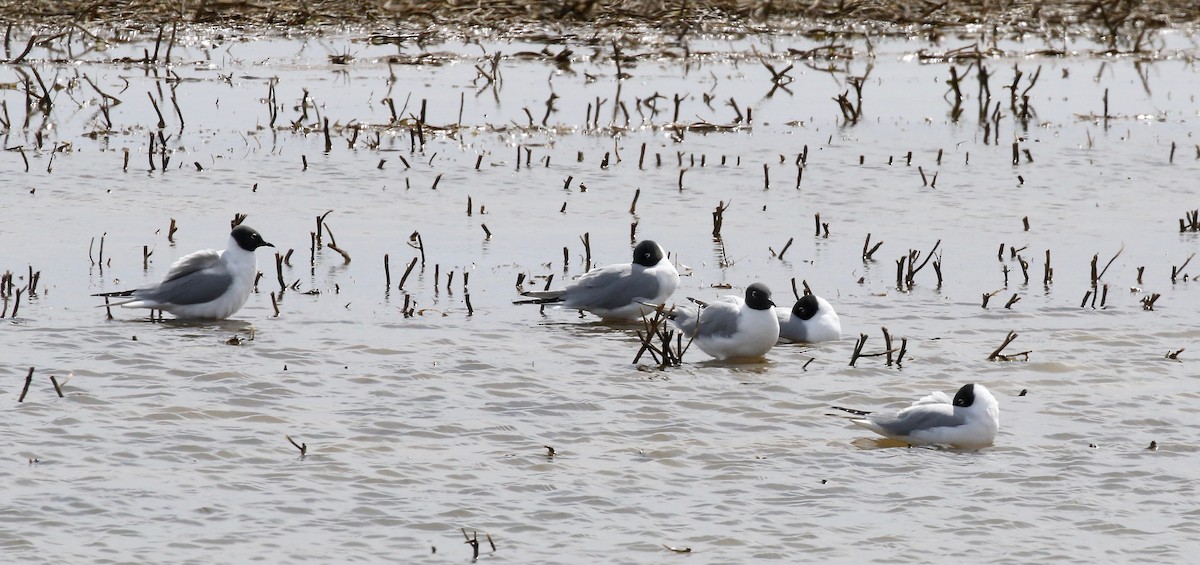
(541, 297)
(850, 410)
(128, 294)
(116, 293)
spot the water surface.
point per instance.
(169, 443)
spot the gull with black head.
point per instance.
(811, 320)
(968, 421)
(733, 328)
(622, 291)
(206, 284)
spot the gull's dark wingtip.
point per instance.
(115, 293)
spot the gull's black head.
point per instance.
(647, 253)
(965, 396)
(806, 307)
(758, 296)
(248, 239)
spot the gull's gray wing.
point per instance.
(791, 327)
(194, 279)
(610, 287)
(718, 319)
(917, 418)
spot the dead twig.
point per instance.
(303, 447)
(997, 355)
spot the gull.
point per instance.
(969, 421)
(618, 292)
(732, 328)
(811, 320)
(207, 284)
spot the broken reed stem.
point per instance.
(407, 271)
(473, 542)
(25, 390)
(636, 194)
(1176, 271)
(387, 272)
(333, 245)
(1049, 272)
(867, 253)
(887, 345)
(320, 227)
(785, 248)
(587, 249)
(275, 302)
(858, 347)
(1007, 340)
(719, 218)
(416, 236)
(303, 447)
(1148, 301)
(57, 387)
(279, 272)
(1015, 298)
(1108, 264)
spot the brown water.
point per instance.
(169, 444)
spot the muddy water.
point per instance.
(169, 444)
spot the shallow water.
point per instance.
(169, 444)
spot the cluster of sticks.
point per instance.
(9, 291)
(670, 349)
(998, 356)
(1023, 110)
(1015, 253)
(1097, 288)
(905, 279)
(1190, 222)
(1177, 271)
(317, 238)
(888, 348)
(473, 541)
(851, 112)
(29, 380)
(410, 304)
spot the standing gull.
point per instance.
(811, 320)
(205, 284)
(615, 292)
(734, 327)
(969, 421)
